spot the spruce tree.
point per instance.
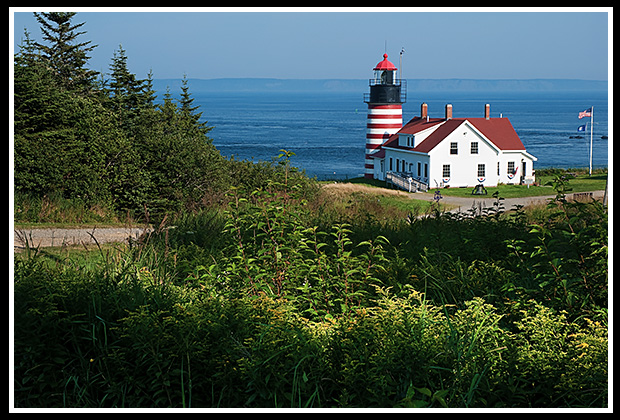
(30, 83)
(168, 111)
(188, 110)
(149, 92)
(127, 96)
(64, 55)
(187, 101)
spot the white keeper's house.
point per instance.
(440, 152)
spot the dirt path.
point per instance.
(70, 237)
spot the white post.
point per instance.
(400, 63)
(591, 130)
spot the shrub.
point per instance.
(558, 363)
(380, 351)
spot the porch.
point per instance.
(406, 181)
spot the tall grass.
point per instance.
(58, 210)
(268, 304)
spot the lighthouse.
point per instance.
(385, 110)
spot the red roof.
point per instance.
(498, 130)
(418, 124)
(385, 64)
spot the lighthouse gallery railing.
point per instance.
(396, 82)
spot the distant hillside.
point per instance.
(361, 85)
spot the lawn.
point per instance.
(580, 183)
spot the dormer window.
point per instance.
(406, 140)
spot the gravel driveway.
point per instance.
(67, 237)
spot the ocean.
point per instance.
(327, 130)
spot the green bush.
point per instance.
(558, 363)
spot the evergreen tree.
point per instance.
(167, 111)
(187, 108)
(127, 94)
(64, 55)
(149, 92)
(186, 101)
(36, 102)
(30, 75)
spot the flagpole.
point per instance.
(591, 129)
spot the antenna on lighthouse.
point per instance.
(400, 62)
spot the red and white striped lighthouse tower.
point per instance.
(385, 111)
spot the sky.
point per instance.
(344, 43)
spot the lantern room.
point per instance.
(385, 87)
(385, 72)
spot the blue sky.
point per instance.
(571, 43)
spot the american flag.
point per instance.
(586, 113)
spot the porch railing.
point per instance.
(405, 182)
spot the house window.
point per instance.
(426, 170)
(474, 147)
(454, 148)
(481, 170)
(511, 167)
(419, 168)
(497, 168)
(446, 171)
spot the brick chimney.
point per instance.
(487, 111)
(423, 110)
(448, 111)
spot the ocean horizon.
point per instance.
(326, 127)
(248, 84)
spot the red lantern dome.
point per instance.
(385, 64)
